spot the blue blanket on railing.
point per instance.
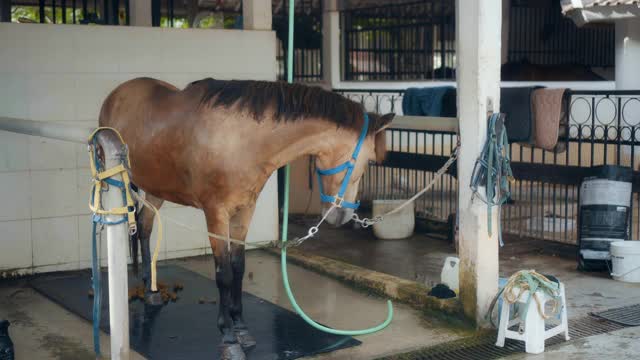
(430, 101)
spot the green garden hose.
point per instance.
(285, 224)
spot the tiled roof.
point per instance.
(568, 5)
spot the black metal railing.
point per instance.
(416, 41)
(540, 34)
(403, 41)
(105, 12)
(603, 128)
(200, 14)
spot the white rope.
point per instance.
(312, 231)
(366, 222)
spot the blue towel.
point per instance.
(430, 101)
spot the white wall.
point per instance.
(63, 73)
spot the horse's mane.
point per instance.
(288, 102)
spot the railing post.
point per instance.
(256, 14)
(117, 241)
(141, 13)
(331, 42)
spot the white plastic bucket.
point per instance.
(450, 273)
(625, 261)
(396, 226)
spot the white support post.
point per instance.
(627, 54)
(331, 43)
(117, 241)
(627, 72)
(478, 33)
(140, 13)
(256, 14)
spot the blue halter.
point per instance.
(338, 200)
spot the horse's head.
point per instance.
(340, 169)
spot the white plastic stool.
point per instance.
(534, 333)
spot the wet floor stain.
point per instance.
(19, 317)
(63, 348)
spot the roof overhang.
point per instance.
(585, 12)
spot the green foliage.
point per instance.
(32, 13)
(178, 22)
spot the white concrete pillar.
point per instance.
(628, 54)
(478, 37)
(256, 14)
(331, 69)
(140, 13)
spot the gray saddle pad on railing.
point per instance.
(515, 103)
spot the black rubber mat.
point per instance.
(628, 315)
(187, 329)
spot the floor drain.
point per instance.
(628, 315)
(483, 347)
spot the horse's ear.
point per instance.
(384, 122)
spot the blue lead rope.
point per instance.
(97, 290)
(493, 169)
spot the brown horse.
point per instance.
(213, 146)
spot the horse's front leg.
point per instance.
(218, 223)
(239, 228)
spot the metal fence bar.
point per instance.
(415, 40)
(601, 128)
(402, 41)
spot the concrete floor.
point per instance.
(420, 258)
(43, 330)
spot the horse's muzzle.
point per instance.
(338, 216)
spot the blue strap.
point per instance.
(335, 170)
(114, 182)
(97, 290)
(331, 199)
(493, 170)
(101, 219)
(363, 134)
(348, 166)
(345, 183)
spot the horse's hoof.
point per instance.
(153, 298)
(245, 339)
(232, 352)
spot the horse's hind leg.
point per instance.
(145, 226)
